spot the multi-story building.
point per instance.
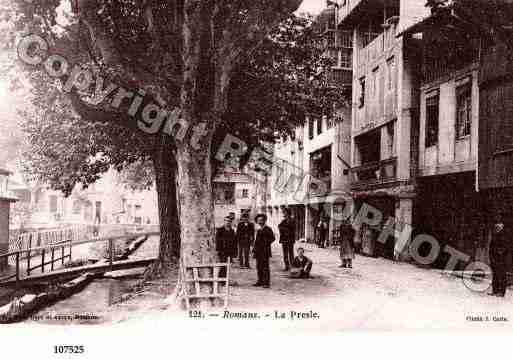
(384, 110)
(495, 157)
(316, 158)
(457, 153)
(448, 204)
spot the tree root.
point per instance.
(160, 270)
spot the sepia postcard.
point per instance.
(308, 166)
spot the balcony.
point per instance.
(339, 77)
(375, 173)
(376, 48)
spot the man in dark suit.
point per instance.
(498, 251)
(347, 234)
(245, 236)
(262, 251)
(226, 246)
(287, 229)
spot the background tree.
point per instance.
(207, 71)
(65, 151)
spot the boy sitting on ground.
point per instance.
(301, 266)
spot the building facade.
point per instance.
(234, 192)
(106, 202)
(449, 205)
(384, 112)
(313, 178)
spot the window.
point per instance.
(346, 39)
(362, 93)
(53, 204)
(330, 121)
(3, 184)
(77, 206)
(463, 110)
(390, 129)
(38, 197)
(346, 58)
(228, 196)
(391, 74)
(375, 80)
(88, 211)
(319, 125)
(432, 104)
(320, 166)
(137, 216)
(310, 128)
(245, 193)
(329, 115)
(98, 211)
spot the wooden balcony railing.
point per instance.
(375, 172)
(339, 77)
(377, 47)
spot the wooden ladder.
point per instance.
(195, 279)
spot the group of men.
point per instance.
(231, 243)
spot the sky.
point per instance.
(312, 6)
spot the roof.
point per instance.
(5, 172)
(439, 20)
(7, 198)
(472, 15)
(232, 177)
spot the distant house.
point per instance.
(6, 199)
(106, 201)
(233, 192)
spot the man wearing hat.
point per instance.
(498, 252)
(262, 251)
(226, 246)
(245, 236)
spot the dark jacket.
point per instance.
(226, 246)
(499, 247)
(347, 232)
(262, 246)
(298, 263)
(287, 229)
(245, 234)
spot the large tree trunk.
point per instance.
(196, 215)
(196, 206)
(165, 177)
